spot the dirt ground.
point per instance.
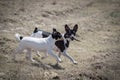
(97, 53)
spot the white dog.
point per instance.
(40, 44)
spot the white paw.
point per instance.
(59, 60)
(75, 62)
(38, 55)
(34, 61)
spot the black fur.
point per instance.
(56, 35)
(21, 37)
(45, 34)
(60, 45)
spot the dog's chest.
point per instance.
(62, 45)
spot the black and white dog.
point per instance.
(61, 45)
(40, 44)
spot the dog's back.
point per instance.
(40, 33)
(34, 43)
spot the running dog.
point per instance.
(40, 44)
(61, 45)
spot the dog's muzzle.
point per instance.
(73, 38)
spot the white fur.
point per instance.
(17, 36)
(40, 44)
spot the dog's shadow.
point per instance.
(47, 66)
(41, 64)
(56, 66)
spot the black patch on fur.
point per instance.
(60, 45)
(21, 37)
(45, 34)
(56, 35)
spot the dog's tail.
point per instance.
(18, 36)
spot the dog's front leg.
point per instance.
(68, 56)
(38, 54)
(46, 55)
(59, 55)
(55, 56)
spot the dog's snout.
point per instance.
(72, 38)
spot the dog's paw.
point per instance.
(59, 60)
(34, 61)
(38, 55)
(75, 62)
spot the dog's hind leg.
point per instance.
(68, 56)
(29, 55)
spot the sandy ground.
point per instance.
(97, 53)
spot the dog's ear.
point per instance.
(35, 30)
(54, 30)
(67, 29)
(75, 28)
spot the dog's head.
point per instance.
(70, 33)
(56, 35)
